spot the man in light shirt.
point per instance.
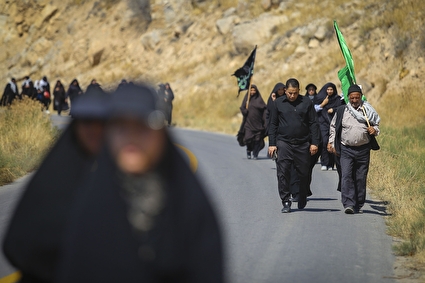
(352, 131)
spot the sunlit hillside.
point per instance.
(197, 45)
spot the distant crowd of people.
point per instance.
(62, 99)
(40, 90)
(303, 128)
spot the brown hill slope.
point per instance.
(196, 46)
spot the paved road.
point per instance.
(9, 194)
(318, 244)
(60, 121)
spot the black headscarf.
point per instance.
(32, 241)
(309, 86)
(275, 89)
(74, 90)
(255, 101)
(59, 84)
(169, 93)
(334, 102)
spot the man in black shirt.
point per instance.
(295, 134)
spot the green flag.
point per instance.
(346, 75)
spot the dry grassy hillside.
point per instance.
(196, 45)
(182, 44)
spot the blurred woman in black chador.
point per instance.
(10, 93)
(74, 90)
(28, 88)
(142, 216)
(166, 94)
(36, 229)
(254, 122)
(326, 102)
(59, 98)
(169, 97)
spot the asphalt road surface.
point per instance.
(317, 244)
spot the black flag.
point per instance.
(244, 74)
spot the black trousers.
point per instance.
(295, 180)
(354, 168)
(292, 155)
(326, 158)
(338, 168)
(255, 145)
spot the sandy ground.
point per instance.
(405, 272)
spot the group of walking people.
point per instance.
(62, 99)
(41, 91)
(302, 128)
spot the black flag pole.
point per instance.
(249, 92)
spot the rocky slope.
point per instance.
(196, 45)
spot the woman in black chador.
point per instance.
(74, 90)
(254, 122)
(278, 91)
(59, 97)
(142, 216)
(166, 93)
(32, 240)
(326, 102)
(10, 93)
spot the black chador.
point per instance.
(32, 241)
(254, 122)
(10, 93)
(156, 227)
(325, 118)
(270, 103)
(334, 102)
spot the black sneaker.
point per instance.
(286, 207)
(349, 210)
(358, 209)
(248, 154)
